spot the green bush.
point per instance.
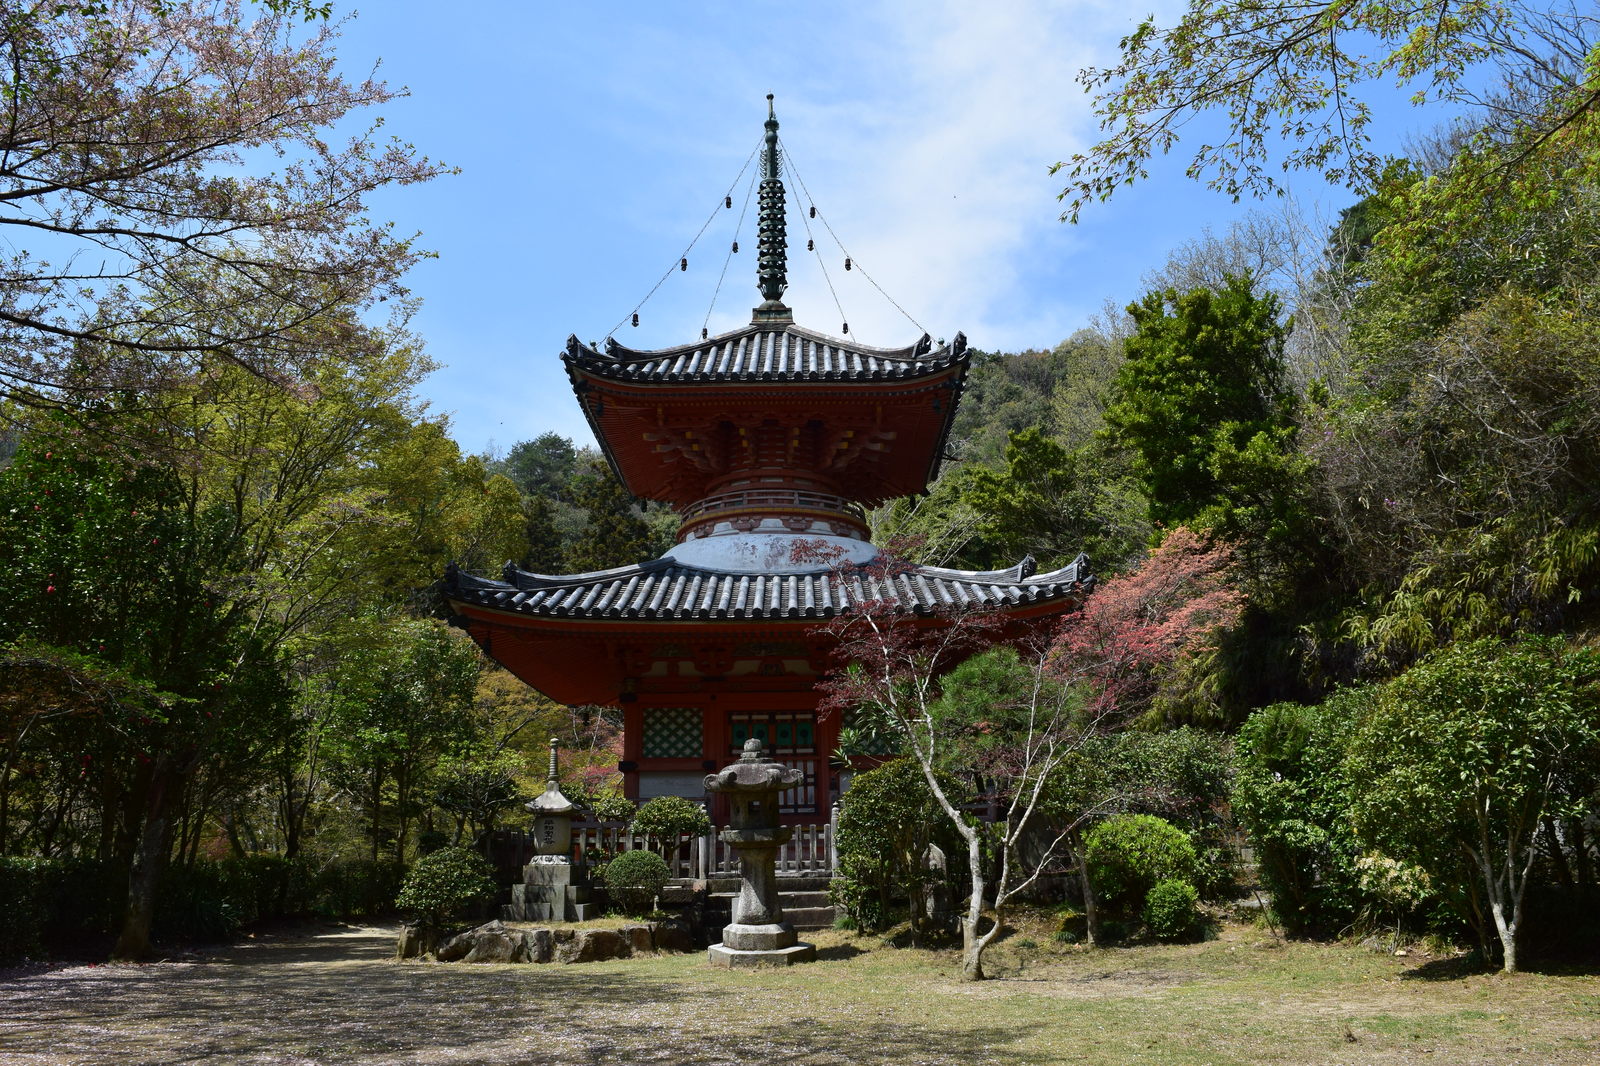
(1171, 910)
(360, 887)
(441, 885)
(611, 807)
(1292, 795)
(58, 904)
(887, 822)
(666, 819)
(635, 879)
(193, 905)
(1129, 853)
(22, 903)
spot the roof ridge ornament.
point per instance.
(772, 259)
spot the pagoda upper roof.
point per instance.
(764, 352)
(666, 590)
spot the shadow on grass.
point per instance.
(838, 952)
(1460, 966)
(322, 1002)
(1451, 969)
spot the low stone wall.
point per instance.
(498, 942)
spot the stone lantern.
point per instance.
(552, 822)
(553, 888)
(758, 935)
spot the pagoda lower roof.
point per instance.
(668, 591)
(764, 353)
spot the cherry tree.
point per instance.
(170, 189)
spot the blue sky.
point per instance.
(595, 139)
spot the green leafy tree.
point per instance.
(1053, 503)
(1458, 467)
(542, 467)
(1464, 756)
(1288, 78)
(403, 706)
(120, 563)
(1202, 406)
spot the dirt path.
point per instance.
(326, 996)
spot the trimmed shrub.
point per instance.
(1171, 910)
(1129, 853)
(887, 822)
(441, 885)
(635, 879)
(667, 819)
(58, 904)
(611, 807)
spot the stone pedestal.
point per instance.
(553, 889)
(758, 935)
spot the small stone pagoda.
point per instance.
(771, 441)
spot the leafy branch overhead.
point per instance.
(1291, 81)
(168, 190)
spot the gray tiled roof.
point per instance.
(665, 590)
(766, 353)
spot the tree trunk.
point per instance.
(1091, 915)
(377, 800)
(149, 864)
(972, 944)
(1508, 936)
(1558, 856)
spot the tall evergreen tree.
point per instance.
(616, 533)
(1202, 407)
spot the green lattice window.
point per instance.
(672, 733)
(779, 732)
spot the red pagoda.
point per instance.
(764, 438)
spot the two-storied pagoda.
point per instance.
(764, 438)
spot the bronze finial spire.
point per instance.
(772, 262)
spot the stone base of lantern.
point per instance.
(552, 890)
(748, 946)
(727, 958)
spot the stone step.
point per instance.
(809, 917)
(786, 883)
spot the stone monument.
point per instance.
(553, 887)
(758, 935)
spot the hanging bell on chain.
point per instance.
(683, 264)
(847, 262)
(727, 201)
(636, 318)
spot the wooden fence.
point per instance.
(811, 850)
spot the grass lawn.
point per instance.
(336, 997)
